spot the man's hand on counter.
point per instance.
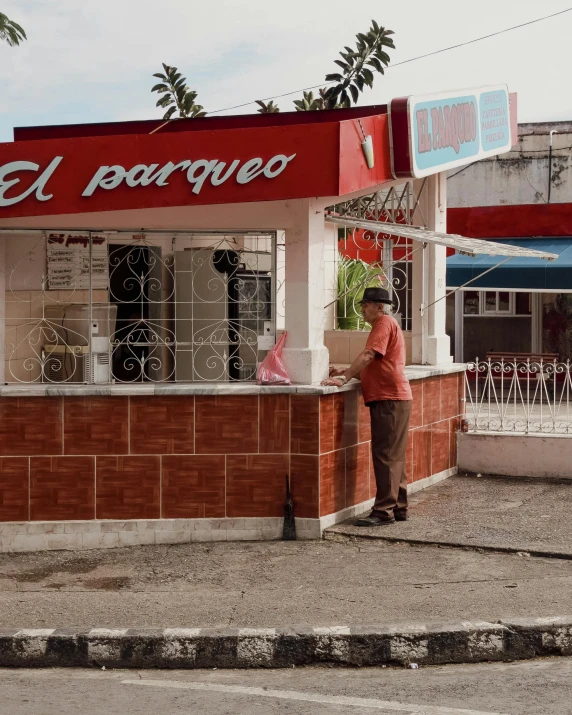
(334, 371)
(336, 377)
(340, 376)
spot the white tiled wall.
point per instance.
(345, 345)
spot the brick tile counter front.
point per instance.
(106, 470)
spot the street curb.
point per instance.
(423, 644)
(334, 533)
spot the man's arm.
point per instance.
(354, 370)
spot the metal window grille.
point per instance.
(365, 258)
(118, 307)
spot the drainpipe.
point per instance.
(552, 131)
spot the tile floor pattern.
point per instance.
(189, 457)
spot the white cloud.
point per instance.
(93, 60)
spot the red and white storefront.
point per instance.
(168, 456)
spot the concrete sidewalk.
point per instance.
(497, 513)
(278, 584)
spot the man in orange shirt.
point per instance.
(386, 391)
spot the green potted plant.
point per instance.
(354, 276)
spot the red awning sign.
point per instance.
(110, 177)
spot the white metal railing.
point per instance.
(522, 396)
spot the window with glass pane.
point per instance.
(523, 304)
(471, 302)
(490, 302)
(503, 302)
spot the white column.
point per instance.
(431, 345)
(418, 299)
(305, 356)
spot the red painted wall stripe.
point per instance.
(511, 221)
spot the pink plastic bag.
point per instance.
(271, 370)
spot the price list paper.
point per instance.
(68, 261)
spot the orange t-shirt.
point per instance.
(384, 377)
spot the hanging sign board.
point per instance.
(435, 132)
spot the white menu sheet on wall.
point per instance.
(68, 261)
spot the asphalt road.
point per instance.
(524, 688)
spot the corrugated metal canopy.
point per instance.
(467, 246)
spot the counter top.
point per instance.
(413, 372)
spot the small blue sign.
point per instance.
(494, 120)
(445, 130)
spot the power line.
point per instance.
(463, 169)
(404, 62)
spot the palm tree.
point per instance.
(10, 31)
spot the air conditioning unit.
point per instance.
(65, 363)
(66, 357)
(99, 364)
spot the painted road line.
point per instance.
(310, 697)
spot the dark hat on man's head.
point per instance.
(376, 295)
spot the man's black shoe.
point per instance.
(373, 520)
(400, 516)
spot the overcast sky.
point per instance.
(92, 60)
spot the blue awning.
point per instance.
(518, 273)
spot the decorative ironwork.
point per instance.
(153, 307)
(523, 396)
(389, 256)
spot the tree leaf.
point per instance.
(160, 76)
(160, 88)
(169, 113)
(18, 30)
(269, 108)
(368, 76)
(374, 62)
(343, 65)
(354, 92)
(164, 101)
(334, 78)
